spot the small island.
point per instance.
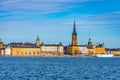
(40, 49)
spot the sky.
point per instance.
(52, 21)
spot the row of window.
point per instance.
(27, 53)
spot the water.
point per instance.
(59, 68)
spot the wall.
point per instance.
(25, 52)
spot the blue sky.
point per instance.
(52, 20)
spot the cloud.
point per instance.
(105, 16)
(22, 8)
(97, 21)
(36, 4)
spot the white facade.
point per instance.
(61, 49)
(83, 50)
(7, 51)
(52, 48)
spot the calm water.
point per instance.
(59, 68)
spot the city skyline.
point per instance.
(52, 21)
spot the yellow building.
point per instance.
(100, 49)
(73, 49)
(96, 49)
(115, 52)
(91, 49)
(24, 49)
(37, 49)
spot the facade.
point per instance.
(83, 49)
(7, 51)
(96, 49)
(24, 49)
(100, 49)
(115, 52)
(2, 48)
(52, 49)
(37, 49)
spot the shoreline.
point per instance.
(81, 56)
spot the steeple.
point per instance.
(74, 29)
(74, 35)
(37, 41)
(90, 40)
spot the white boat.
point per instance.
(104, 55)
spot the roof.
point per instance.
(115, 49)
(60, 44)
(83, 45)
(23, 45)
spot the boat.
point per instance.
(105, 55)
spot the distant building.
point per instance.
(7, 51)
(2, 48)
(89, 49)
(73, 49)
(83, 49)
(24, 49)
(115, 52)
(95, 49)
(52, 49)
(37, 49)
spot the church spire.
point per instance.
(74, 35)
(74, 29)
(90, 40)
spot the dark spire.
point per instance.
(74, 29)
(90, 40)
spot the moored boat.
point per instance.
(104, 55)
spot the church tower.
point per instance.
(37, 41)
(90, 40)
(74, 36)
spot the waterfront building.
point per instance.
(83, 49)
(52, 49)
(34, 49)
(100, 49)
(115, 52)
(2, 48)
(95, 49)
(7, 51)
(24, 49)
(89, 49)
(73, 48)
